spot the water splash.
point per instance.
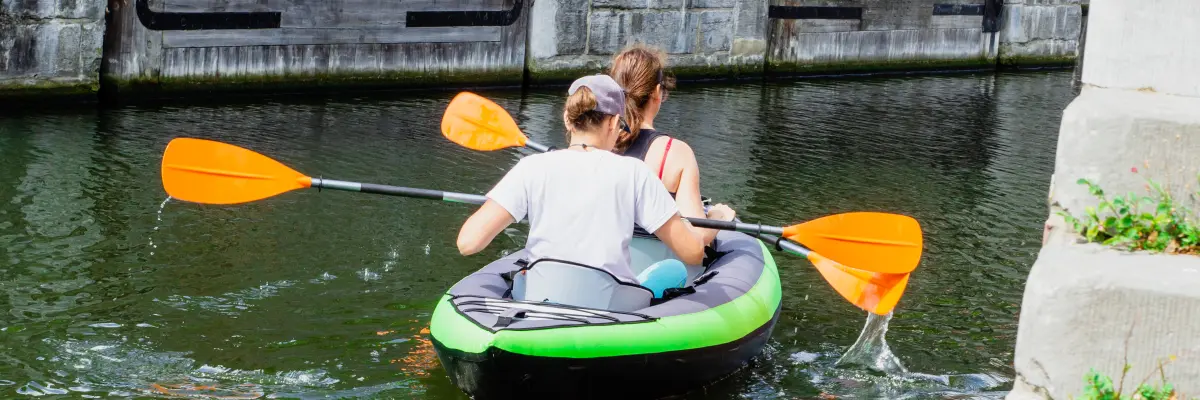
(158, 223)
(871, 349)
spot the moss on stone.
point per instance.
(40, 90)
(1037, 61)
(315, 81)
(776, 67)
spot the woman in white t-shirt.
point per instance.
(583, 201)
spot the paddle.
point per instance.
(870, 241)
(205, 171)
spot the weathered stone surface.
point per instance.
(878, 48)
(1039, 33)
(1087, 307)
(637, 4)
(674, 32)
(751, 19)
(544, 28)
(51, 55)
(572, 32)
(609, 30)
(1133, 45)
(956, 21)
(1106, 132)
(824, 25)
(716, 3)
(54, 9)
(716, 31)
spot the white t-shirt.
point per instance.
(582, 206)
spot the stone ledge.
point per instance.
(1106, 132)
(1085, 305)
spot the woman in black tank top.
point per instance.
(639, 70)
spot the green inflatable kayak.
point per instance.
(495, 346)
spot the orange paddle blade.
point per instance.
(872, 291)
(479, 124)
(204, 171)
(881, 242)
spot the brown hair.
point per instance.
(581, 111)
(638, 69)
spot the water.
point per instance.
(328, 294)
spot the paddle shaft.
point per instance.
(397, 191)
(453, 197)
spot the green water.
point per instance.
(326, 294)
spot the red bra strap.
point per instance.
(664, 160)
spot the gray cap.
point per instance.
(610, 97)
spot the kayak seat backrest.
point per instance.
(645, 251)
(578, 285)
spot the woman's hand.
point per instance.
(721, 212)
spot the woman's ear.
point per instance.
(566, 123)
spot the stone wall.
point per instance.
(166, 45)
(1136, 119)
(702, 37)
(1036, 32)
(183, 44)
(811, 36)
(50, 47)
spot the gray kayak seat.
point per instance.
(579, 285)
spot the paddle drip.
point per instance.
(871, 349)
(158, 223)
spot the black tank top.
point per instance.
(641, 145)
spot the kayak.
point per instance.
(493, 346)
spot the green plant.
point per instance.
(1138, 222)
(1100, 387)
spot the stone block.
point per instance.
(1106, 132)
(543, 29)
(1088, 307)
(638, 4)
(68, 51)
(609, 30)
(716, 31)
(572, 31)
(823, 25)
(714, 3)
(1135, 45)
(1022, 23)
(751, 19)
(62, 9)
(956, 21)
(672, 31)
(19, 55)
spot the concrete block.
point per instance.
(609, 30)
(716, 31)
(1088, 307)
(1106, 132)
(19, 55)
(751, 19)
(1139, 44)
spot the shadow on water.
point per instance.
(328, 295)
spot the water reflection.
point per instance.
(288, 295)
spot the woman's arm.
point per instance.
(687, 196)
(482, 227)
(678, 236)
